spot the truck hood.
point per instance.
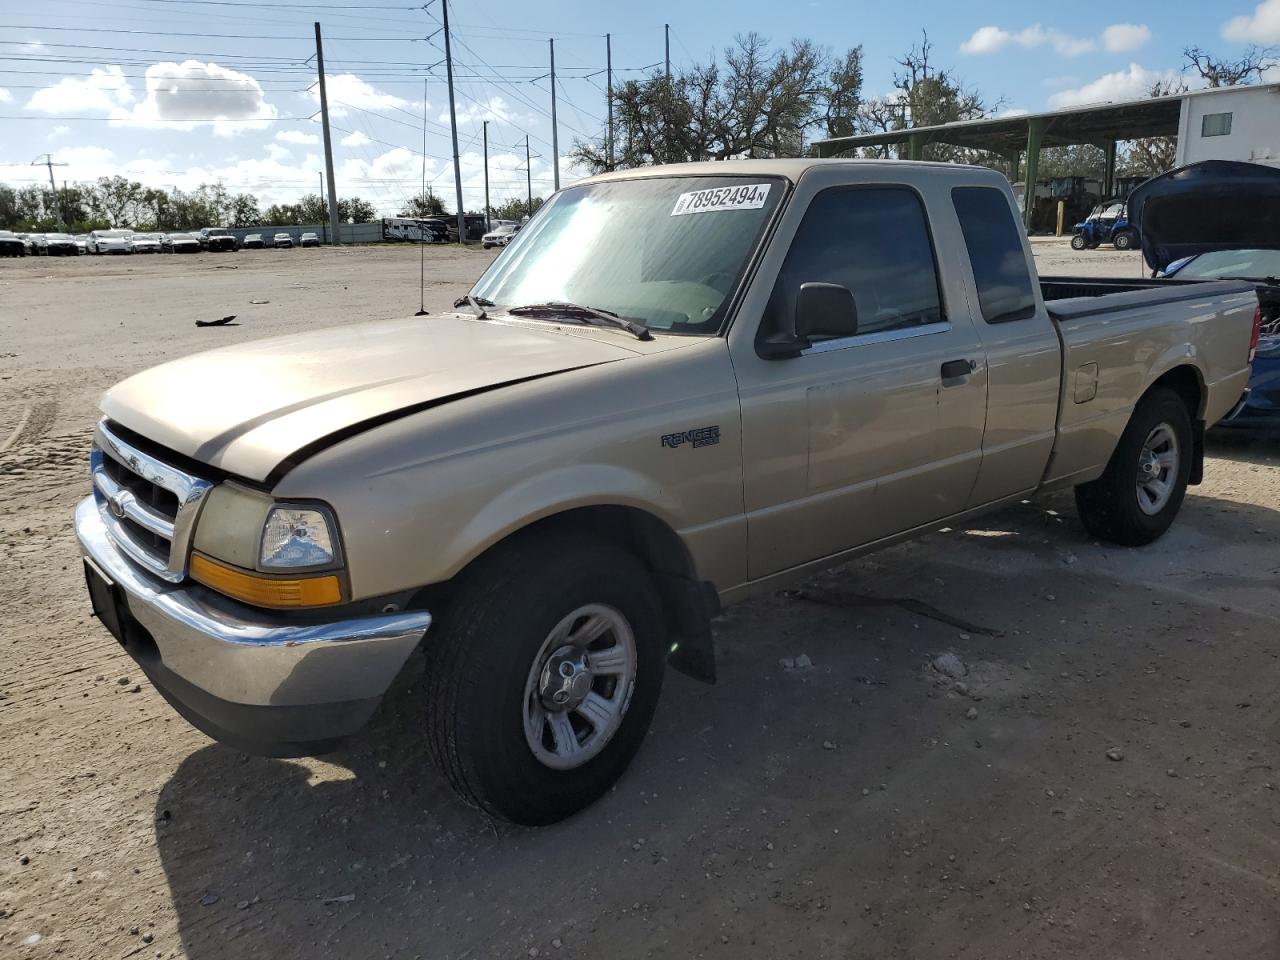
(251, 408)
(1213, 205)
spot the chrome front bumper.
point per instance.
(264, 683)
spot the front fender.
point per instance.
(557, 491)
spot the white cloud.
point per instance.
(5, 96)
(991, 39)
(1117, 38)
(185, 95)
(277, 152)
(355, 139)
(495, 109)
(297, 136)
(178, 96)
(1263, 26)
(348, 90)
(1123, 37)
(1013, 112)
(1132, 84)
(986, 40)
(104, 90)
(61, 130)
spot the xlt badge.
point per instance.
(698, 436)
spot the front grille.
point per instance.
(149, 506)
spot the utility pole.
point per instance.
(528, 179)
(666, 32)
(49, 162)
(328, 141)
(453, 122)
(487, 225)
(608, 69)
(555, 130)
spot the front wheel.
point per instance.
(1078, 242)
(1123, 240)
(1141, 491)
(544, 676)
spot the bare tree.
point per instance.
(1222, 72)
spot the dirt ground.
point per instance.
(863, 807)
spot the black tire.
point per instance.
(479, 660)
(1078, 242)
(1123, 240)
(1109, 506)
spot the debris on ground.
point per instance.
(215, 323)
(1116, 754)
(801, 662)
(259, 302)
(949, 665)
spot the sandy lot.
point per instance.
(866, 807)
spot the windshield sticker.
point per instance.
(749, 196)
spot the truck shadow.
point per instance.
(1256, 446)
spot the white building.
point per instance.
(1230, 123)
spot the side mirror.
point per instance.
(825, 310)
(822, 310)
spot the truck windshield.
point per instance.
(665, 252)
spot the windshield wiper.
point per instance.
(477, 305)
(592, 316)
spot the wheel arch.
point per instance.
(688, 603)
(1187, 381)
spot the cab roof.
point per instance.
(793, 169)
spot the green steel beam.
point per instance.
(915, 146)
(1035, 130)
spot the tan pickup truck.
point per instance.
(677, 388)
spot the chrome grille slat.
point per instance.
(123, 504)
(137, 511)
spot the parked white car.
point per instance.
(282, 240)
(146, 243)
(111, 241)
(500, 236)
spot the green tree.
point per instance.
(420, 206)
(759, 102)
(514, 208)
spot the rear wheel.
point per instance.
(1136, 499)
(544, 676)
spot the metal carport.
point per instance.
(1099, 124)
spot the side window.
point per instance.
(1215, 125)
(994, 241)
(873, 240)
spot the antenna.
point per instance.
(422, 241)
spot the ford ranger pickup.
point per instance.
(676, 389)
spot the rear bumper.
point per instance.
(263, 683)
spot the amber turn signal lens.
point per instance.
(319, 591)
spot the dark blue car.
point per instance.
(1220, 220)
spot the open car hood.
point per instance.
(1212, 205)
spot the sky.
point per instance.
(175, 93)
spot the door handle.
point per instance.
(957, 368)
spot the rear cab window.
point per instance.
(994, 242)
(876, 242)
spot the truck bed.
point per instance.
(1113, 332)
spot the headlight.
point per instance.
(298, 538)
